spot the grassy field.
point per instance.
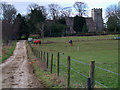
(7, 51)
(103, 52)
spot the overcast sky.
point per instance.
(21, 5)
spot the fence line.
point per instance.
(78, 72)
(72, 79)
(63, 64)
(77, 83)
(95, 66)
(75, 70)
(84, 75)
(101, 84)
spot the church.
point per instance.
(94, 23)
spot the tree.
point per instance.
(54, 11)
(57, 30)
(9, 12)
(16, 26)
(119, 11)
(80, 8)
(34, 6)
(112, 23)
(24, 31)
(84, 29)
(8, 17)
(113, 18)
(111, 10)
(78, 23)
(44, 11)
(66, 12)
(36, 22)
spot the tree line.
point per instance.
(17, 26)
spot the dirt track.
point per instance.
(17, 72)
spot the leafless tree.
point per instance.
(81, 7)
(33, 6)
(111, 10)
(54, 10)
(0, 10)
(8, 17)
(36, 6)
(43, 9)
(66, 12)
(9, 12)
(113, 17)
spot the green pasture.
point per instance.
(64, 39)
(103, 52)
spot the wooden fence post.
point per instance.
(44, 56)
(41, 55)
(89, 83)
(91, 73)
(51, 63)
(58, 65)
(33, 51)
(47, 60)
(37, 54)
(68, 71)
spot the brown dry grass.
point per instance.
(47, 78)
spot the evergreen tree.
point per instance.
(112, 23)
(36, 18)
(78, 23)
(84, 29)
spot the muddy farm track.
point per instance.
(17, 72)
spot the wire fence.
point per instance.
(88, 64)
(78, 78)
(81, 73)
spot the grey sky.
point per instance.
(21, 5)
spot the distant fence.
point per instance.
(60, 68)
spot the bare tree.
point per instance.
(33, 6)
(113, 17)
(43, 9)
(54, 10)
(111, 10)
(0, 11)
(8, 17)
(9, 12)
(66, 12)
(81, 7)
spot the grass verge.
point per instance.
(49, 80)
(7, 51)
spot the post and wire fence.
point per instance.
(66, 68)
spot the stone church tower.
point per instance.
(97, 18)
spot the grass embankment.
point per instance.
(49, 80)
(7, 51)
(104, 52)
